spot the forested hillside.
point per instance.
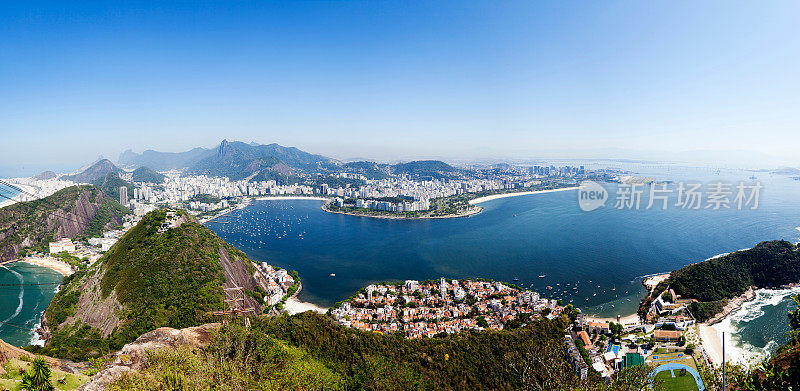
(145, 281)
(144, 174)
(310, 352)
(110, 185)
(73, 212)
(712, 282)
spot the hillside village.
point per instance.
(429, 308)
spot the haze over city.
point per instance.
(680, 81)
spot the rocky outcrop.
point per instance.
(133, 356)
(237, 275)
(101, 313)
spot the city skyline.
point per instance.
(405, 81)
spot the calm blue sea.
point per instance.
(6, 193)
(604, 253)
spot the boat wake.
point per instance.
(742, 351)
(21, 294)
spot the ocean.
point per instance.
(21, 303)
(603, 253)
(6, 193)
(595, 260)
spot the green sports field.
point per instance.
(678, 383)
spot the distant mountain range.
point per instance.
(787, 171)
(233, 159)
(237, 160)
(96, 171)
(163, 161)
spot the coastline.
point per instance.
(229, 210)
(294, 306)
(732, 305)
(710, 337)
(50, 263)
(267, 198)
(626, 320)
(392, 217)
(516, 194)
(248, 200)
(652, 281)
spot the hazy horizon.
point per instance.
(710, 83)
(720, 159)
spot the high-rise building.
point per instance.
(123, 195)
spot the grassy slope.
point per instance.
(225, 366)
(11, 379)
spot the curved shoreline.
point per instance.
(294, 306)
(516, 194)
(49, 263)
(391, 217)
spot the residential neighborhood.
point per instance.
(424, 309)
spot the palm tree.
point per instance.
(39, 378)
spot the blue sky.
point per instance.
(400, 80)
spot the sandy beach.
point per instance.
(517, 194)
(712, 344)
(50, 263)
(627, 320)
(294, 306)
(710, 336)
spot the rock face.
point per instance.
(237, 275)
(66, 214)
(133, 356)
(93, 309)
